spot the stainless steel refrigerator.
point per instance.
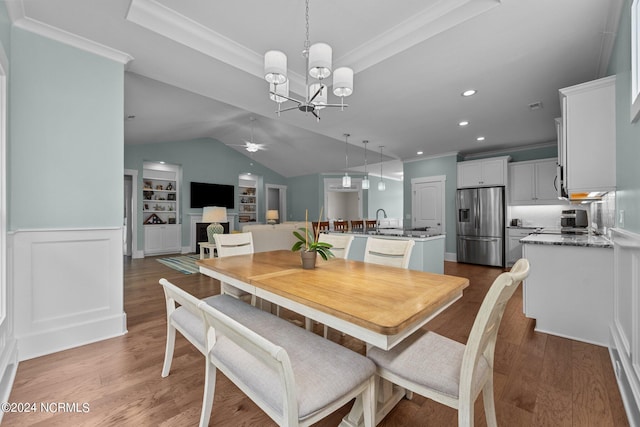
(480, 225)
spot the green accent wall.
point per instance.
(390, 199)
(65, 150)
(434, 167)
(202, 160)
(627, 133)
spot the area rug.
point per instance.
(184, 264)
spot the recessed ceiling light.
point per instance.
(480, 138)
(463, 123)
(419, 153)
(469, 92)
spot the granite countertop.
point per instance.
(568, 240)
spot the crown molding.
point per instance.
(19, 19)
(420, 27)
(432, 21)
(167, 22)
(435, 156)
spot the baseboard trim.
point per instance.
(9, 367)
(47, 342)
(623, 369)
(450, 256)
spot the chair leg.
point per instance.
(465, 414)
(489, 403)
(326, 331)
(253, 300)
(209, 392)
(168, 352)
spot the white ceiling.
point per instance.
(197, 71)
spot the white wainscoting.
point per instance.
(625, 329)
(67, 287)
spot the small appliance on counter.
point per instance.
(574, 221)
(516, 222)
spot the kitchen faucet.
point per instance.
(377, 220)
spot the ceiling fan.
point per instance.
(251, 146)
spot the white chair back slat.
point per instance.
(390, 252)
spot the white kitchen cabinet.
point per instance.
(161, 239)
(533, 182)
(485, 172)
(514, 247)
(587, 149)
(569, 291)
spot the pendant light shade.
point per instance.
(381, 185)
(275, 67)
(346, 179)
(320, 60)
(365, 181)
(279, 92)
(343, 81)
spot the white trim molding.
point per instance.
(19, 19)
(624, 345)
(68, 288)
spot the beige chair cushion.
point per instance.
(428, 359)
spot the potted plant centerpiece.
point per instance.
(309, 245)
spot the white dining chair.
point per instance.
(296, 377)
(390, 252)
(340, 245)
(447, 371)
(230, 245)
(183, 315)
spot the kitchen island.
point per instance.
(427, 254)
(569, 290)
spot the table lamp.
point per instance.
(272, 216)
(215, 215)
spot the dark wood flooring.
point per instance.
(540, 380)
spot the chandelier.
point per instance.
(318, 62)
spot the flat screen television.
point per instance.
(205, 194)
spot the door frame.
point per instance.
(134, 213)
(282, 190)
(442, 179)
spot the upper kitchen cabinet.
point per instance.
(586, 139)
(483, 173)
(533, 182)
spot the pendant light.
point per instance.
(346, 179)
(365, 180)
(381, 185)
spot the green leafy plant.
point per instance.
(309, 243)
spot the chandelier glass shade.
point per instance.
(365, 181)
(319, 67)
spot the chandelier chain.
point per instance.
(307, 42)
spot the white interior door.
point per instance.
(427, 203)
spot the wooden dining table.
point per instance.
(377, 304)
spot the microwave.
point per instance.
(574, 218)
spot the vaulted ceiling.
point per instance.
(195, 69)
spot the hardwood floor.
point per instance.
(540, 380)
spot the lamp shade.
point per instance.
(273, 216)
(366, 183)
(279, 89)
(214, 214)
(321, 100)
(275, 67)
(320, 60)
(343, 81)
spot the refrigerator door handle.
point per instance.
(480, 239)
(477, 213)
